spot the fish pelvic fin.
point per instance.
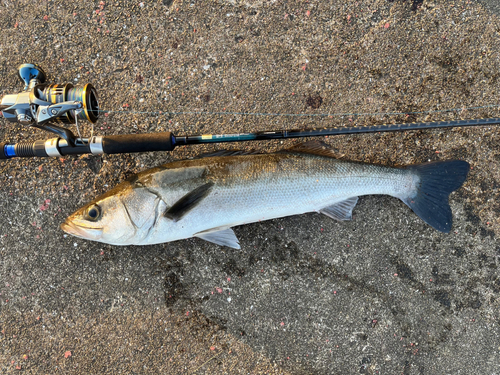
(436, 181)
(188, 202)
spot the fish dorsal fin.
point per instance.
(228, 153)
(341, 210)
(223, 236)
(312, 147)
(188, 202)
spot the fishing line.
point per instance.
(346, 114)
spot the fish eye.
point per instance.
(93, 213)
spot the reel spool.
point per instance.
(58, 93)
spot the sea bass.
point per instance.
(208, 196)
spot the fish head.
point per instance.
(104, 220)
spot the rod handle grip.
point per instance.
(128, 143)
(25, 149)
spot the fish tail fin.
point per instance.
(436, 181)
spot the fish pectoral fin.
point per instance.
(223, 236)
(341, 210)
(188, 202)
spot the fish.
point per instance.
(206, 197)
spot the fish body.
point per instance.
(206, 197)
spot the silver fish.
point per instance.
(206, 197)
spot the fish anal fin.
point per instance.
(188, 202)
(223, 236)
(341, 210)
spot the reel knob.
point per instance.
(31, 75)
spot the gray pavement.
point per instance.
(382, 294)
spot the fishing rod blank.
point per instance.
(167, 141)
(323, 132)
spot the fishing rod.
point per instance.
(41, 105)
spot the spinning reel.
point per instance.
(41, 105)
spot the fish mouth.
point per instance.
(79, 231)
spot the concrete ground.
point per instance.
(382, 294)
